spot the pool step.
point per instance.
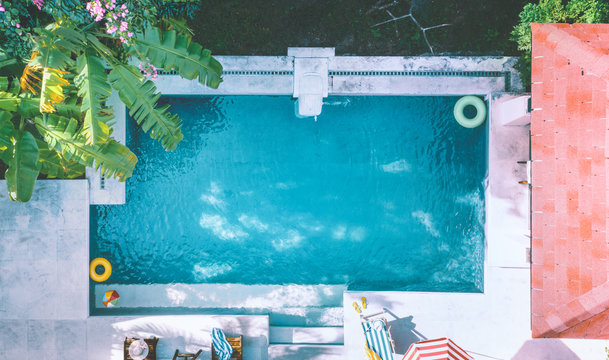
(307, 316)
(304, 342)
(310, 316)
(309, 352)
(328, 335)
(227, 296)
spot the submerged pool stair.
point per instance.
(301, 342)
(314, 332)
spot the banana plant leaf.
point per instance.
(54, 165)
(9, 84)
(102, 49)
(54, 46)
(7, 64)
(4, 83)
(7, 61)
(179, 25)
(23, 167)
(170, 50)
(9, 102)
(141, 98)
(63, 135)
(6, 133)
(52, 56)
(94, 90)
(51, 90)
(29, 107)
(30, 78)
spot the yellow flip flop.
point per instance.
(356, 307)
(364, 303)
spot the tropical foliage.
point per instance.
(553, 11)
(19, 17)
(54, 113)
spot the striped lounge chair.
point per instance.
(377, 335)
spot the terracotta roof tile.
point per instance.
(600, 67)
(570, 153)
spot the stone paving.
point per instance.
(44, 285)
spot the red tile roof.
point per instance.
(570, 153)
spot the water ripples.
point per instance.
(383, 193)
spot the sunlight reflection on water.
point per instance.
(385, 193)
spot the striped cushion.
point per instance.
(378, 338)
(221, 345)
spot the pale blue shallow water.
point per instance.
(381, 193)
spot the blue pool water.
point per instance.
(381, 193)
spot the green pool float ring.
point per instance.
(480, 111)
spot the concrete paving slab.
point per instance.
(13, 338)
(45, 251)
(71, 339)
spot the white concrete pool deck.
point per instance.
(44, 254)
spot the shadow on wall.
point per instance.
(545, 349)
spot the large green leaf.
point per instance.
(141, 97)
(63, 135)
(29, 107)
(54, 165)
(101, 49)
(5, 61)
(94, 89)
(9, 84)
(51, 57)
(23, 167)
(54, 46)
(6, 133)
(8, 65)
(51, 90)
(179, 25)
(170, 50)
(9, 102)
(4, 82)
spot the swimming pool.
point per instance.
(380, 193)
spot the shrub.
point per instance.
(553, 11)
(54, 116)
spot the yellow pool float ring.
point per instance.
(107, 269)
(465, 121)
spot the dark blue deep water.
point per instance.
(381, 193)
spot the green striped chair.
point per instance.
(377, 336)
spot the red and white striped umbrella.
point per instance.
(436, 349)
